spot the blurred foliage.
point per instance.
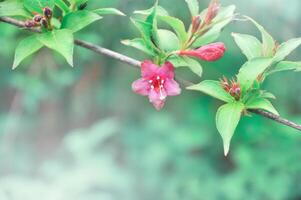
(82, 134)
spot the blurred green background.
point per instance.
(81, 134)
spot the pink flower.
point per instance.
(157, 83)
(210, 52)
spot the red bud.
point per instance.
(225, 84)
(30, 23)
(47, 12)
(44, 22)
(37, 18)
(196, 21)
(213, 9)
(211, 52)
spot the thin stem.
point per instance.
(135, 63)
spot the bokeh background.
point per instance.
(81, 134)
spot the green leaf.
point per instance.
(108, 11)
(184, 61)
(139, 43)
(249, 45)
(77, 2)
(152, 19)
(38, 5)
(212, 35)
(145, 31)
(177, 25)
(224, 17)
(148, 28)
(286, 66)
(160, 11)
(286, 48)
(193, 6)
(251, 70)
(214, 89)
(62, 5)
(13, 8)
(167, 40)
(78, 20)
(261, 103)
(60, 41)
(268, 43)
(25, 48)
(227, 119)
(268, 95)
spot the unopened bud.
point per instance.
(225, 84)
(47, 12)
(44, 22)
(235, 90)
(210, 52)
(37, 18)
(30, 23)
(196, 21)
(213, 9)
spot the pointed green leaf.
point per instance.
(286, 48)
(268, 43)
(38, 5)
(13, 8)
(139, 43)
(77, 2)
(60, 41)
(108, 11)
(152, 19)
(261, 103)
(167, 40)
(225, 13)
(193, 6)
(62, 5)
(224, 17)
(249, 72)
(25, 48)
(160, 11)
(212, 35)
(146, 32)
(184, 61)
(268, 95)
(248, 44)
(78, 20)
(227, 119)
(286, 66)
(214, 89)
(177, 25)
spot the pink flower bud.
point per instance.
(196, 21)
(211, 52)
(213, 9)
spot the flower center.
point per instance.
(157, 84)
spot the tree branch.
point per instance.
(136, 63)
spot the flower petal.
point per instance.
(141, 86)
(148, 69)
(157, 98)
(167, 70)
(172, 87)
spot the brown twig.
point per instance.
(135, 63)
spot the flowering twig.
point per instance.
(135, 63)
